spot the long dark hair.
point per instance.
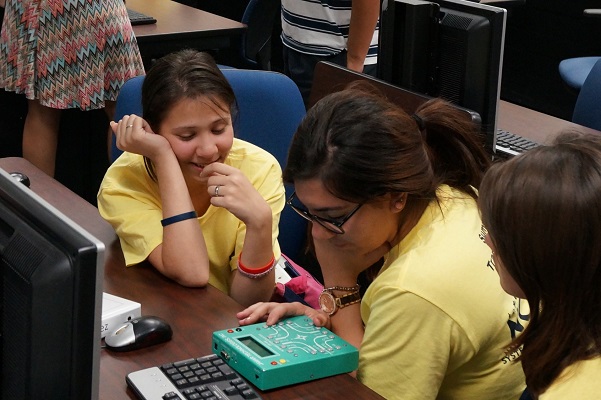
(362, 146)
(184, 74)
(542, 211)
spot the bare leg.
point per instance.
(40, 136)
(109, 109)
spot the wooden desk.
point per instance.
(193, 313)
(541, 128)
(179, 26)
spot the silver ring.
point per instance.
(128, 126)
(217, 190)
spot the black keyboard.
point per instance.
(207, 377)
(510, 144)
(137, 18)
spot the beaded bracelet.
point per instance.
(178, 218)
(344, 288)
(255, 273)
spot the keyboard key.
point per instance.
(184, 363)
(249, 394)
(227, 371)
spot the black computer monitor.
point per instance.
(445, 48)
(51, 300)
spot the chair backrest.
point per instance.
(129, 101)
(270, 107)
(587, 110)
(260, 18)
(573, 71)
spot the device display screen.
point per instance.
(255, 346)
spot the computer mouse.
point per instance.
(137, 333)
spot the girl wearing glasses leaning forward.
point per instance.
(380, 185)
(200, 205)
(545, 242)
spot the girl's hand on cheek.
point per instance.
(135, 135)
(340, 266)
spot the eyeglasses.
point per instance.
(331, 225)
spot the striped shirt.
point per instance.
(320, 27)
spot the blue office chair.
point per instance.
(129, 101)
(260, 18)
(270, 108)
(573, 71)
(587, 110)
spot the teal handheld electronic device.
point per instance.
(291, 351)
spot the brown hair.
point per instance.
(542, 211)
(362, 146)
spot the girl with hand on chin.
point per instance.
(381, 186)
(200, 205)
(540, 213)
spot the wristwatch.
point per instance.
(330, 302)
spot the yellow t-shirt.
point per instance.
(129, 200)
(579, 381)
(436, 318)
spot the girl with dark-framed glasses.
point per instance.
(382, 187)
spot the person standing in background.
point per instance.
(61, 55)
(344, 32)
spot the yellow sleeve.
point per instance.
(130, 202)
(409, 346)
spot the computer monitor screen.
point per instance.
(445, 48)
(51, 300)
(329, 78)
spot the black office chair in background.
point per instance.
(573, 71)
(260, 17)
